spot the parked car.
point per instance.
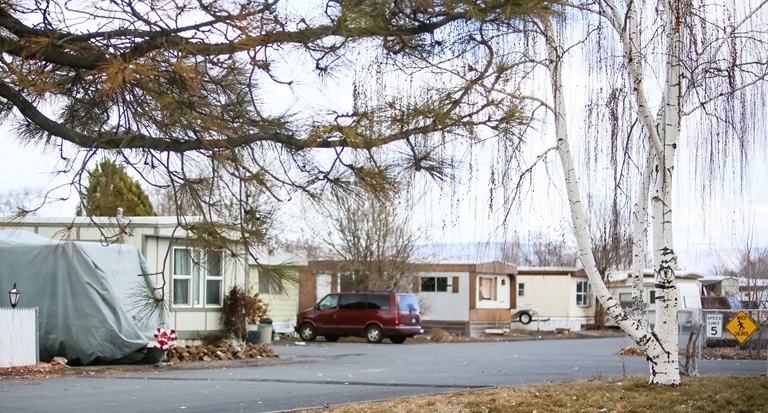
(373, 315)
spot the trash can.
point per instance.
(265, 331)
(253, 337)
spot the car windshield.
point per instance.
(408, 302)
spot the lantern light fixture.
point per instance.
(13, 295)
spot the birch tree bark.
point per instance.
(664, 137)
(663, 364)
(665, 70)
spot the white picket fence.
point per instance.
(19, 340)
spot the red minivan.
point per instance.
(373, 315)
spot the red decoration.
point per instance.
(166, 339)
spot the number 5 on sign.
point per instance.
(714, 325)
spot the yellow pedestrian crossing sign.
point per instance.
(741, 326)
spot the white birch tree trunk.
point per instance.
(663, 134)
(660, 350)
(664, 257)
(639, 237)
(653, 58)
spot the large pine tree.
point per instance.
(109, 188)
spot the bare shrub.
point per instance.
(439, 335)
(239, 309)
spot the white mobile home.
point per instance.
(467, 298)
(688, 292)
(193, 280)
(560, 297)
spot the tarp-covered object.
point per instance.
(87, 295)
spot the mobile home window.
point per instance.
(269, 283)
(266, 286)
(197, 278)
(436, 284)
(625, 299)
(521, 289)
(583, 294)
(182, 277)
(488, 288)
(214, 280)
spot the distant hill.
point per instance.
(700, 261)
(457, 253)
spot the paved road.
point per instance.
(317, 374)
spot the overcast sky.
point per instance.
(704, 227)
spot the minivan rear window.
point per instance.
(378, 302)
(408, 302)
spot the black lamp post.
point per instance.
(13, 295)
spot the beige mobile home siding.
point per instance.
(552, 291)
(282, 307)
(551, 295)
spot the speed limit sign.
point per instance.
(714, 325)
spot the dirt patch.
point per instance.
(707, 353)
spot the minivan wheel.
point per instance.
(373, 334)
(307, 332)
(397, 339)
(332, 339)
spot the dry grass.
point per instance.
(439, 335)
(716, 394)
(733, 353)
(708, 353)
(631, 351)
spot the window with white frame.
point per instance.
(197, 278)
(182, 277)
(583, 294)
(521, 289)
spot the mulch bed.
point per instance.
(182, 358)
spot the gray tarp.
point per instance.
(86, 294)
